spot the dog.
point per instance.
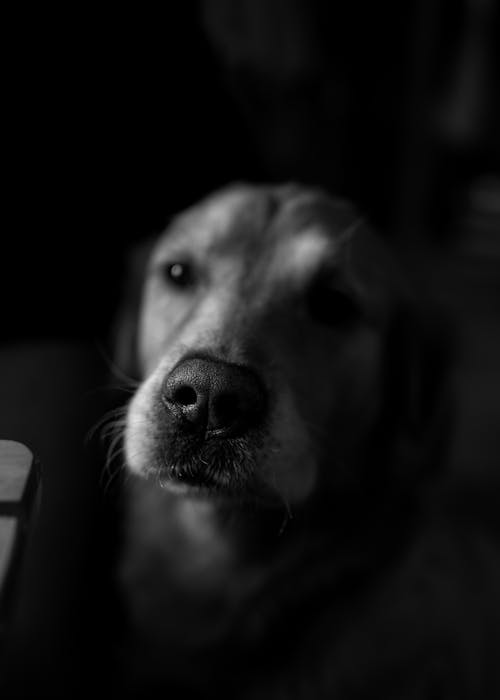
(289, 412)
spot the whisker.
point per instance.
(111, 467)
(115, 370)
(114, 416)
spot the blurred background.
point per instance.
(113, 120)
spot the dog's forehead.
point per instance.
(222, 215)
(296, 225)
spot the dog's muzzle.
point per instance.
(212, 409)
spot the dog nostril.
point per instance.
(185, 396)
(224, 409)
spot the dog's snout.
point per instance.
(214, 397)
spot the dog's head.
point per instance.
(266, 324)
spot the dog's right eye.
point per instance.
(179, 274)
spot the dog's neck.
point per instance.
(209, 539)
(203, 575)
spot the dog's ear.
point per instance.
(124, 340)
(416, 414)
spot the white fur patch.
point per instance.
(298, 257)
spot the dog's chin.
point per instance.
(212, 468)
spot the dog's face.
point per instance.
(261, 340)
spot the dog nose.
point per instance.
(215, 397)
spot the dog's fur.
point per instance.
(296, 563)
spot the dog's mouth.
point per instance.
(211, 465)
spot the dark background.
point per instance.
(113, 121)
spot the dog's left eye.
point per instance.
(179, 274)
(332, 306)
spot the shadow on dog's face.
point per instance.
(261, 340)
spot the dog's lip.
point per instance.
(204, 467)
(254, 493)
(174, 478)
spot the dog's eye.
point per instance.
(179, 274)
(333, 306)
